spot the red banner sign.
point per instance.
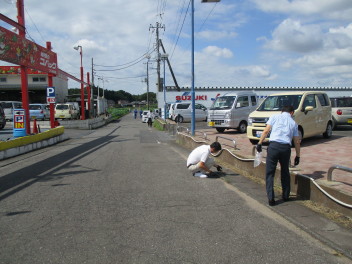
(20, 51)
(17, 70)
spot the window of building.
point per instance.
(39, 79)
(3, 79)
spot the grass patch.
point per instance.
(117, 113)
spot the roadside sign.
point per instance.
(50, 100)
(19, 123)
(50, 95)
(50, 92)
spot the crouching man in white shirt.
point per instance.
(199, 161)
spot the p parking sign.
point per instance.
(50, 95)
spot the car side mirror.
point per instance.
(238, 105)
(308, 108)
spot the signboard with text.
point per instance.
(19, 123)
(21, 51)
(50, 95)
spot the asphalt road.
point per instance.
(122, 194)
(7, 132)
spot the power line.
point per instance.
(172, 53)
(40, 34)
(135, 61)
(208, 16)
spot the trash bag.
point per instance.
(258, 158)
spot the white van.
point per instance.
(76, 109)
(312, 114)
(231, 111)
(8, 107)
(65, 111)
(183, 112)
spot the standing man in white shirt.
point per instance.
(199, 161)
(282, 129)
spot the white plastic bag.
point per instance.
(258, 158)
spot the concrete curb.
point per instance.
(26, 144)
(86, 124)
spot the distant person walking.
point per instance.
(140, 113)
(135, 113)
(282, 129)
(199, 161)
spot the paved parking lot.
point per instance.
(317, 153)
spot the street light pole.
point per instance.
(164, 57)
(82, 85)
(193, 114)
(193, 94)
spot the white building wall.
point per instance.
(206, 97)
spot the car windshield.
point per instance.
(342, 102)
(223, 102)
(275, 103)
(62, 107)
(6, 105)
(34, 107)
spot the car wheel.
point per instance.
(328, 131)
(179, 119)
(254, 141)
(220, 129)
(242, 128)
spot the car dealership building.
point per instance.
(206, 95)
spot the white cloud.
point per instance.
(218, 52)
(215, 35)
(291, 35)
(337, 9)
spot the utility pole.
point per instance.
(147, 79)
(92, 111)
(158, 25)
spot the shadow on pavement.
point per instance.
(27, 176)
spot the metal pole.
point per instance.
(50, 84)
(164, 93)
(92, 111)
(24, 77)
(82, 87)
(192, 91)
(148, 83)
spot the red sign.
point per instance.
(189, 98)
(17, 70)
(50, 100)
(18, 50)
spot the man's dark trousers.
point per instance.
(281, 153)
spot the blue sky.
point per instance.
(237, 42)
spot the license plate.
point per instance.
(34, 117)
(258, 133)
(62, 116)
(211, 123)
(349, 120)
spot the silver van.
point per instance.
(8, 107)
(183, 112)
(231, 111)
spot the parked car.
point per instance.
(145, 115)
(341, 109)
(65, 111)
(39, 111)
(183, 112)
(312, 114)
(231, 111)
(8, 107)
(2, 118)
(75, 108)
